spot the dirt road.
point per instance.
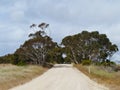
(61, 77)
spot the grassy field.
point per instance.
(102, 76)
(11, 75)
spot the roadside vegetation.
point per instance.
(11, 75)
(86, 48)
(41, 50)
(107, 76)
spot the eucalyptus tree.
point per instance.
(89, 46)
(37, 47)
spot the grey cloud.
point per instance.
(79, 11)
(66, 17)
(12, 34)
(6, 48)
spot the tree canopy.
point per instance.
(36, 49)
(41, 49)
(89, 46)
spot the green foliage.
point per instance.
(6, 59)
(13, 59)
(89, 46)
(108, 63)
(86, 62)
(55, 55)
(21, 63)
(67, 60)
(85, 47)
(17, 60)
(39, 49)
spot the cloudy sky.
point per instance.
(66, 17)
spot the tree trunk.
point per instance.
(75, 61)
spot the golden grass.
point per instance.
(110, 79)
(11, 75)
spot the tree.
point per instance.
(35, 49)
(55, 55)
(89, 46)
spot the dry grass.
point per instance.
(110, 79)
(11, 75)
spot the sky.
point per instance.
(66, 17)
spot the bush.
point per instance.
(18, 60)
(86, 62)
(108, 63)
(6, 59)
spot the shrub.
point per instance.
(18, 60)
(86, 62)
(108, 63)
(6, 59)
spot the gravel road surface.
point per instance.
(61, 77)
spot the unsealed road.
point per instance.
(61, 77)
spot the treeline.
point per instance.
(85, 47)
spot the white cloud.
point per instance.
(13, 34)
(64, 16)
(17, 15)
(17, 11)
(8, 48)
(83, 12)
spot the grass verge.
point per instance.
(11, 75)
(102, 76)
